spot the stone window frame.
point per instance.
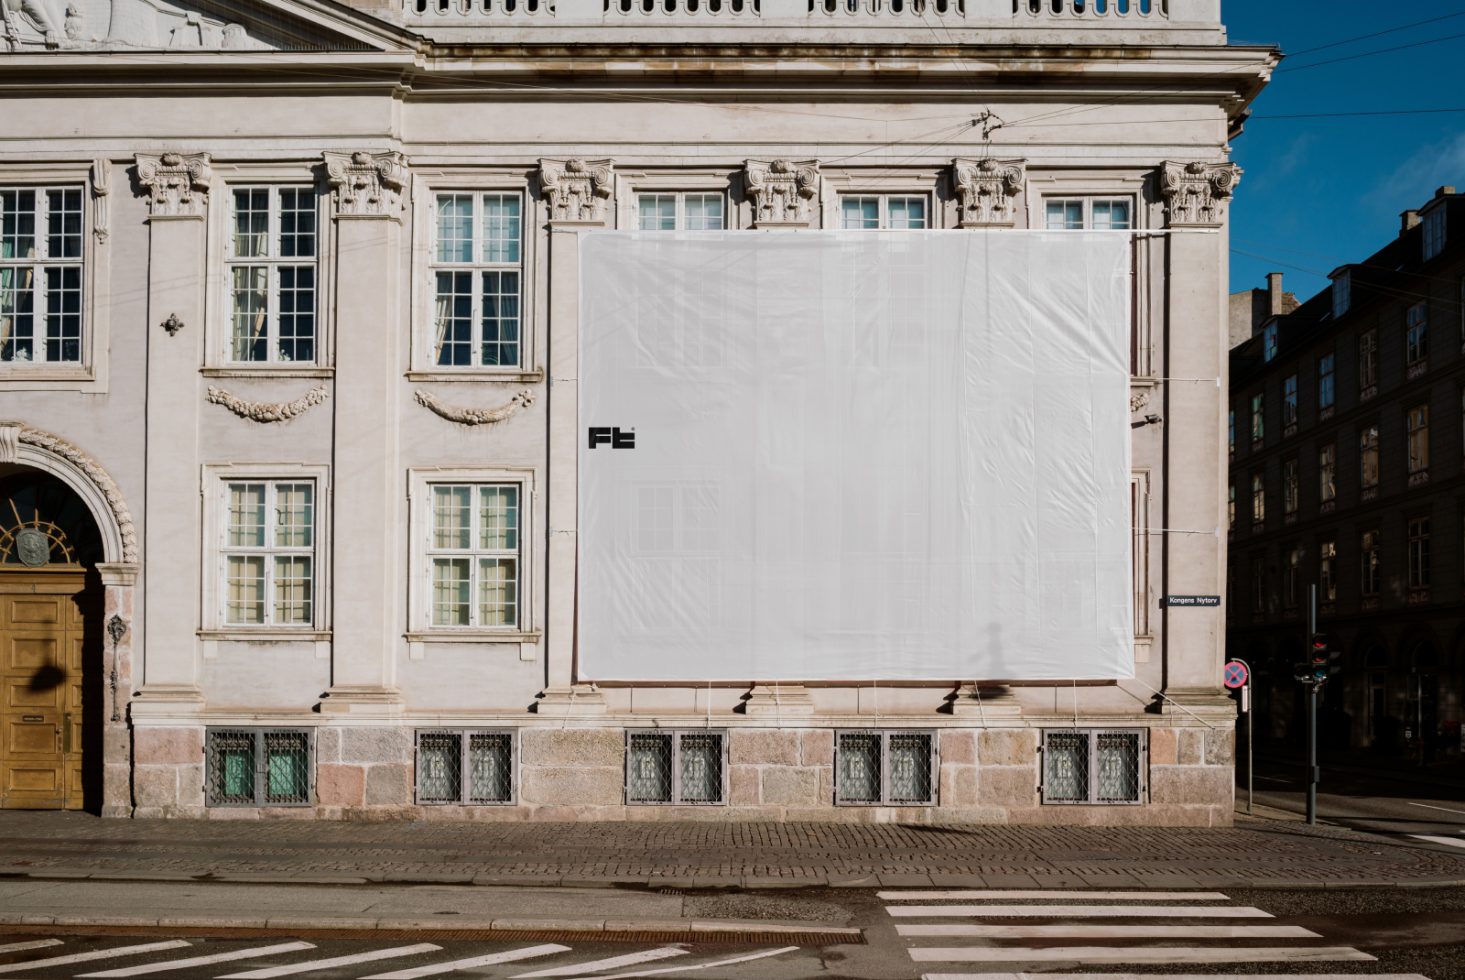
(214, 489)
(1327, 574)
(420, 630)
(630, 184)
(97, 183)
(1416, 436)
(426, 186)
(1418, 566)
(1370, 541)
(882, 199)
(1142, 760)
(258, 735)
(218, 332)
(675, 795)
(465, 736)
(927, 182)
(885, 800)
(1434, 232)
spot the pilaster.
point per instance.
(783, 192)
(778, 701)
(987, 191)
(368, 491)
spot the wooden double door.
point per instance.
(50, 689)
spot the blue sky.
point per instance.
(1322, 192)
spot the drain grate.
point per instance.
(751, 937)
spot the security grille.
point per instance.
(465, 767)
(685, 767)
(258, 767)
(1093, 766)
(888, 768)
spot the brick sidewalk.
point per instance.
(1253, 854)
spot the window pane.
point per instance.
(704, 212)
(451, 520)
(246, 515)
(439, 779)
(455, 227)
(910, 768)
(1118, 763)
(294, 515)
(500, 318)
(233, 767)
(250, 316)
(17, 319)
(1066, 767)
(1111, 215)
(453, 319)
(498, 591)
(657, 212)
(296, 341)
(499, 518)
(17, 224)
(63, 223)
(1064, 215)
(860, 212)
(63, 314)
(490, 767)
(287, 770)
(245, 589)
(450, 588)
(648, 768)
(501, 228)
(293, 590)
(701, 768)
(251, 223)
(859, 767)
(907, 212)
(297, 222)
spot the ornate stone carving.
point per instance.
(367, 184)
(101, 188)
(94, 472)
(173, 324)
(267, 411)
(988, 190)
(1138, 399)
(9, 442)
(475, 416)
(178, 183)
(92, 25)
(576, 190)
(781, 190)
(1195, 193)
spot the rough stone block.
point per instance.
(1192, 785)
(588, 787)
(155, 786)
(376, 745)
(1191, 750)
(190, 785)
(1164, 747)
(1007, 747)
(743, 785)
(339, 785)
(785, 786)
(958, 786)
(328, 744)
(389, 785)
(168, 746)
(573, 747)
(1007, 785)
(818, 747)
(764, 747)
(959, 747)
(1221, 747)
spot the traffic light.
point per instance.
(1323, 662)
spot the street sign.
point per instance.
(1235, 674)
(1192, 600)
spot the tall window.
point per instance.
(1434, 232)
(897, 212)
(1327, 473)
(1416, 334)
(1092, 213)
(1258, 429)
(473, 555)
(1258, 585)
(1368, 359)
(477, 277)
(272, 275)
(1289, 401)
(1292, 578)
(1258, 498)
(1419, 553)
(40, 275)
(269, 553)
(1418, 428)
(1325, 391)
(680, 211)
(1368, 457)
(1368, 554)
(1342, 294)
(1231, 506)
(1290, 488)
(1269, 342)
(1231, 431)
(1327, 571)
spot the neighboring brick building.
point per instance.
(1348, 470)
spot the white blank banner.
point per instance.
(858, 456)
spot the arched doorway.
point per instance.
(52, 690)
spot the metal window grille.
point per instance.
(465, 767)
(889, 768)
(258, 767)
(1093, 766)
(676, 767)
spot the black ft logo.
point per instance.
(601, 435)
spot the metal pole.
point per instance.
(1312, 686)
(1250, 785)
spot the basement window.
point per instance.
(470, 767)
(258, 767)
(885, 768)
(676, 767)
(1094, 766)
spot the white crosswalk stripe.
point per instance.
(30, 944)
(96, 954)
(1451, 841)
(1211, 934)
(693, 967)
(472, 962)
(333, 962)
(212, 958)
(1163, 976)
(612, 963)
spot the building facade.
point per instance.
(288, 327)
(1347, 464)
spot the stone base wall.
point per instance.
(989, 775)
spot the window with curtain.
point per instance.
(268, 553)
(1418, 431)
(473, 555)
(890, 212)
(1327, 473)
(477, 274)
(1368, 457)
(1416, 334)
(1327, 571)
(1326, 393)
(40, 275)
(680, 211)
(1368, 553)
(1368, 360)
(271, 256)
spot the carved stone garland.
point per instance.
(177, 183)
(781, 190)
(12, 435)
(101, 188)
(576, 190)
(1195, 193)
(366, 184)
(268, 411)
(988, 191)
(475, 416)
